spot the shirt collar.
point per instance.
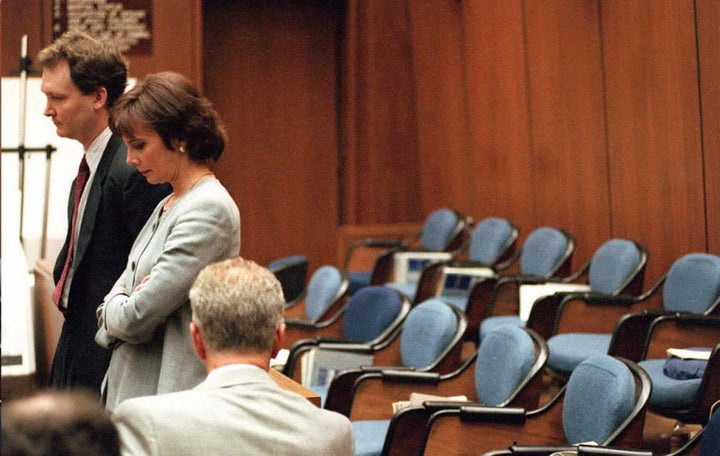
(94, 153)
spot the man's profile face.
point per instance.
(72, 112)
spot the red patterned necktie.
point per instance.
(82, 177)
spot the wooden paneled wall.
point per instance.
(176, 30)
(599, 116)
(271, 69)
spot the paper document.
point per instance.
(417, 399)
(689, 353)
(529, 293)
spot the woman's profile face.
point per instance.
(147, 152)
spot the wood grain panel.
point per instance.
(270, 69)
(567, 118)
(496, 97)
(177, 41)
(177, 36)
(441, 122)
(379, 131)
(18, 18)
(708, 18)
(655, 159)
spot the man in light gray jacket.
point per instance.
(237, 327)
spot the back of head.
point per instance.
(238, 306)
(168, 103)
(93, 63)
(58, 423)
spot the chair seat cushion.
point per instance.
(408, 289)
(369, 436)
(492, 323)
(669, 392)
(358, 280)
(570, 349)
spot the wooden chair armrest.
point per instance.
(300, 323)
(592, 450)
(479, 412)
(347, 347)
(405, 434)
(630, 335)
(543, 315)
(409, 376)
(539, 450)
(340, 393)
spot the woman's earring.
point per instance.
(182, 149)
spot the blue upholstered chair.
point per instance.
(490, 248)
(692, 285)
(429, 339)
(505, 371)
(371, 316)
(545, 255)
(617, 267)
(603, 401)
(444, 230)
(705, 442)
(291, 271)
(321, 310)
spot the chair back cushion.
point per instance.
(600, 395)
(322, 291)
(427, 332)
(490, 239)
(439, 229)
(505, 357)
(543, 252)
(613, 265)
(370, 312)
(692, 284)
(291, 271)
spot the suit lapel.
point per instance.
(93, 201)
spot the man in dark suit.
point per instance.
(82, 78)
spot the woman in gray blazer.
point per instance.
(173, 135)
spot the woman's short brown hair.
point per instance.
(169, 104)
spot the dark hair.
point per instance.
(169, 104)
(93, 63)
(58, 423)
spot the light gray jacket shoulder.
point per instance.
(235, 413)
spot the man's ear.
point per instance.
(198, 342)
(101, 97)
(278, 340)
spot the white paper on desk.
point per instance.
(684, 353)
(407, 266)
(320, 365)
(529, 293)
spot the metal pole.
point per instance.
(43, 241)
(21, 142)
